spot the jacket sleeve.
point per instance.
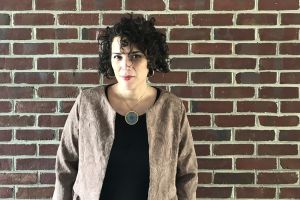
(66, 166)
(187, 167)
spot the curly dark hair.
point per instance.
(139, 32)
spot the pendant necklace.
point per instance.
(131, 116)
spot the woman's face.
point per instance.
(129, 65)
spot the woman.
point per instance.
(127, 140)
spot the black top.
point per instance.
(127, 173)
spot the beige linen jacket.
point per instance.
(88, 136)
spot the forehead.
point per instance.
(117, 48)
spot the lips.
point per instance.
(126, 77)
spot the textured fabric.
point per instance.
(87, 140)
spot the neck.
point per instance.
(131, 94)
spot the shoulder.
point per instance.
(169, 97)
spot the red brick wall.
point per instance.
(235, 63)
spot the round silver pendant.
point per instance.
(131, 117)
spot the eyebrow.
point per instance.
(133, 52)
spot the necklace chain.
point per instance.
(137, 101)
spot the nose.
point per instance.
(126, 62)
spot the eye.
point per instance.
(135, 56)
(117, 57)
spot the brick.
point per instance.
(47, 178)
(52, 120)
(204, 178)
(57, 63)
(35, 193)
(234, 92)
(279, 63)
(4, 48)
(257, 106)
(235, 120)
(202, 150)
(289, 193)
(278, 34)
(255, 49)
(16, 92)
(48, 149)
(16, 63)
(211, 48)
(101, 5)
(78, 78)
(17, 149)
(78, 19)
(255, 192)
(234, 178)
(57, 92)
(212, 106)
(290, 163)
(215, 163)
(256, 19)
(35, 164)
(277, 178)
(18, 178)
(145, 5)
(31, 134)
(191, 92)
(55, 5)
(289, 48)
(170, 19)
(15, 34)
(290, 78)
(190, 34)
(33, 48)
(5, 135)
(211, 77)
(78, 48)
(190, 63)
(278, 5)
(35, 106)
(256, 77)
(214, 192)
(90, 63)
(278, 92)
(5, 106)
(89, 33)
(178, 48)
(289, 135)
(212, 19)
(35, 19)
(290, 18)
(254, 135)
(171, 77)
(277, 149)
(56, 34)
(4, 20)
(279, 120)
(113, 18)
(189, 5)
(235, 63)
(6, 192)
(14, 5)
(199, 120)
(5, 164)
(233, 4)
(34, 77)
(234, 34)
(5, 78)
(256, 163)
(212, 135)
(65, 106)
(233, 149)
(16, 120)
